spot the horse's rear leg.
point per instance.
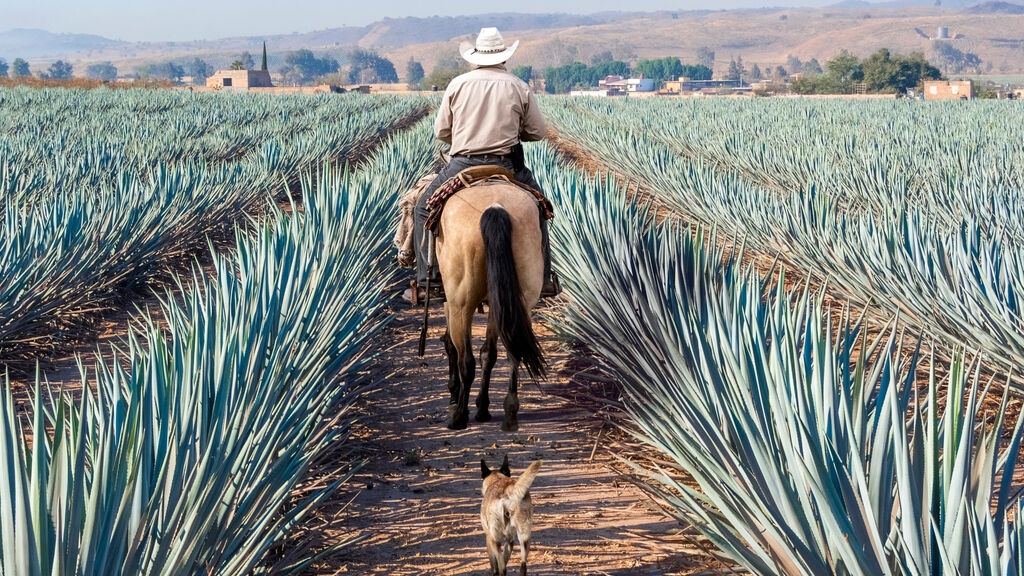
(488, 356)
(511, 423)
(459, 326)
(453, 370)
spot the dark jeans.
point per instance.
(458, 164)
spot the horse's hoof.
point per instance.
(507, 426)
(483, 416)
(458, 422)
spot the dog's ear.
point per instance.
(504, 467)
(484, 470)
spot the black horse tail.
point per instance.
(508, 312)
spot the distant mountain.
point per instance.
(386, 33)
(995, 8)
(954, 4)
(32, 43)
(406, 31)
(765, 36)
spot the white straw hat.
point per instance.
(490, 48)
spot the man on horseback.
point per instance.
(485, 114)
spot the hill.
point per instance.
(996, 8)
(389, 32)
(765, 37)
(32, 43)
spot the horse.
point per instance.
(488, 247)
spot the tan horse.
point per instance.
(489, 249)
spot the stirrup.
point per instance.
(551, 289)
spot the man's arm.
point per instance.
(443, 122)
(534, 127)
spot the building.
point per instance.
(239, 79)
(949, 90)
(640, 84)
(601, 93)
(685, 85)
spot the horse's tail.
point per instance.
(507, 309)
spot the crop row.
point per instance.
(812, 449)
(185, 461)
(55, 141)
(958, 281)
(83, 226)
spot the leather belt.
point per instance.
(485, 157)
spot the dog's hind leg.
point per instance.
(488, 356)
(493, 555)
(506, 554)
(524, 553)
(511, 423)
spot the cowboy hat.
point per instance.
(490, 48)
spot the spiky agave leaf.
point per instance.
(792, 426)
(184, 460)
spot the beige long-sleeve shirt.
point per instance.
(487, 111)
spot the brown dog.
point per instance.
(507, 512)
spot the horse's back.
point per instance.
(460, 247)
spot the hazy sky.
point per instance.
(209, 19)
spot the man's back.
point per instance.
(487, 111)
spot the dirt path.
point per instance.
(417, 500)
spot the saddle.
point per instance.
(472, 176)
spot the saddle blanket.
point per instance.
(468, 178)
(404, 235)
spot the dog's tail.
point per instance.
(522, 485)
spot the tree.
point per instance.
(60, 70)
(19, 68)
(3, 68)
(414, 71)
(696, 72)
(524, 73)
(793, 64)
(811, 67)
(247, 62)
(884, 72)
(443, 73)
(845, 68)
(608, 68)
(564, 78)
(199, 70)
(659, 69)
(238, 65)
(706, 57)
(166, 71)
(755, 73)
(736, 70)
(369, 67)
(953, 60)
(301, 66)
(104, 71)
(605, 56)
(780, 73)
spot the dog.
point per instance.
(506, 513)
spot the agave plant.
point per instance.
(809, 447)
(184, 456)
(867, 196)
(93, 206)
